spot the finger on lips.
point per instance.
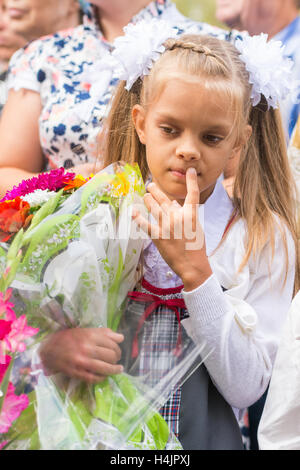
(193, 193)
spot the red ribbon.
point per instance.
(173, 304)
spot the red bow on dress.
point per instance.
(173, 304)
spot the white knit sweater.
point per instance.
(241, 326)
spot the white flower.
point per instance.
(141, 45)
(270, 72)
(38, 197)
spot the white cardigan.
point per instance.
(242, 325)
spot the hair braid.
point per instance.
(172, 44)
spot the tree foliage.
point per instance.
(200, 10)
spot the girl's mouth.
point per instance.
(179, 173)
(16, 13)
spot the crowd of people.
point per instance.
(215, 122)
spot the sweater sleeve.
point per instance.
(279, 427)
(239, 315)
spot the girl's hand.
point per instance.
(88, 354)
(178, 234)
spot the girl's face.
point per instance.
(186, 126)
(35, 18)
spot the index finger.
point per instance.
(193, 192)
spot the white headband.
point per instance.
(270, 73)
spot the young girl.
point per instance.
(182, 121)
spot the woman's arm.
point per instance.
(20, 150)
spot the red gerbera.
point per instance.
(13, 215)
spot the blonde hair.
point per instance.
(263, 178)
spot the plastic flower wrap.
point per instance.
(72, 265)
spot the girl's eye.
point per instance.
(168, 130)
(212, 139)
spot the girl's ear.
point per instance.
(247, 134)
(139, 121)
(243, 141)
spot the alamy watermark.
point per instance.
(178, 227)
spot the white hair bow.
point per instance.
(270, 73)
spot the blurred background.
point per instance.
(200, 10)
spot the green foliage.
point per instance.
(199, 10)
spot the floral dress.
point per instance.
(75, 93)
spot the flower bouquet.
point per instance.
(70, 252)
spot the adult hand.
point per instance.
(88, 354)
(178, 234)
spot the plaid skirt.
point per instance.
(161, 340)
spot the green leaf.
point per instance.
(113, 315)
(25, 428)
(42, 232)
(91, 187)
(6, 280)
(15, 246)
(46, 209)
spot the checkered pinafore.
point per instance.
(158, 340)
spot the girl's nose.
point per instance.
(188, 150)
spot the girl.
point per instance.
(182, 121)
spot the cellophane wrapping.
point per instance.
(79, 261)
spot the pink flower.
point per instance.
(2, 444)
(5, 327)
(13, 406)
(18, 333)
(53, 180)
(6, 307)
(4, 366)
